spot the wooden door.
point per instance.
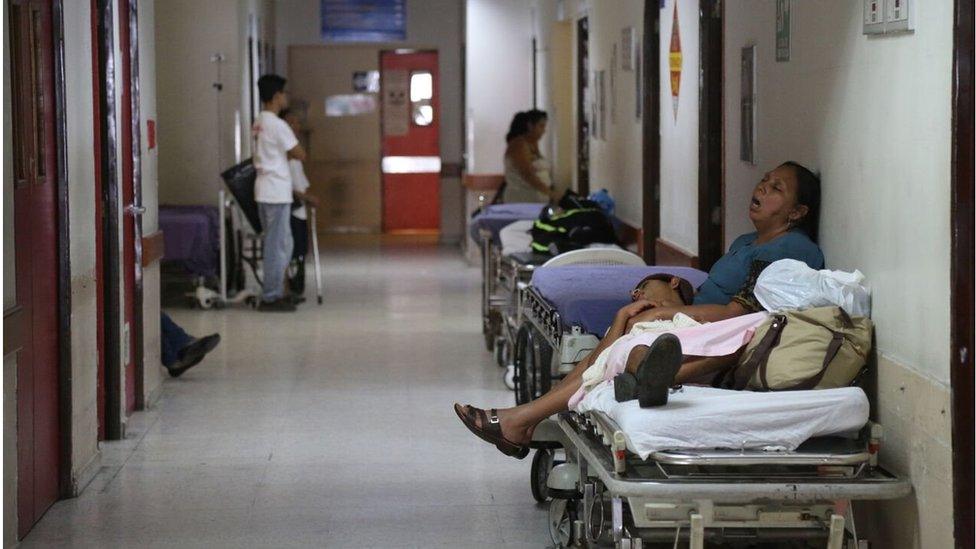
(344, 173)
(36, 253)
(411, 141)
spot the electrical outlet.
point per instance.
(899, 16)
(874, 17)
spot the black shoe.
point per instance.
(625, 387)
(192, 354)
(281, 305)
(656, 372)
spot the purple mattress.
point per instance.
(191, 237)
(589, 296)
(496, 217)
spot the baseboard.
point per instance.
(86, 474)
(666, 253)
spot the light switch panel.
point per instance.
(874, 17)
(899, 16)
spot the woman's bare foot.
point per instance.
(512, 430)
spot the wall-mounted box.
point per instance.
(888, 16)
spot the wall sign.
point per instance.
(783, 22)
(396, 108)
(675, 62)
(364, 20)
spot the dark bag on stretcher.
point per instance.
(819, 348)
(240, 182)
(581, 223)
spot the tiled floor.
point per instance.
(331, 427)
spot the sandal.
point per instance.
(490, 430)
(656, 372)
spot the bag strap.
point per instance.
(836, 340)
(738, 377)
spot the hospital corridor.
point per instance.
(331, 429)
(560, 274)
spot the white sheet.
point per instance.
(707, 418)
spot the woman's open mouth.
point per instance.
(755, 204)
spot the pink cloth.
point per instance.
(712, 339)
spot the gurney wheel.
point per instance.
(562, 514)
(542, 463)
(509, 379)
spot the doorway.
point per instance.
(962, 344)
(582, 103)
(651, 131)
(38, 268)
(411, 163)
(711, 185)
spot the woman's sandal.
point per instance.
(490, 430)
(656, 372)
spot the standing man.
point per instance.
(275, 144)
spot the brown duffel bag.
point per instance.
(820, 348)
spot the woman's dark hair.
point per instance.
(521, 122)
(807, 194)
(269, 85)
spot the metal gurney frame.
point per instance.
(604, 495)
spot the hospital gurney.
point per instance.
(565, 310)
(484, 229)
(192, 244)
(606, 494)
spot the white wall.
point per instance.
(872, 114)
(152, 364)
(498, 77)
(190, 154)
(679, 135)
(431, 24)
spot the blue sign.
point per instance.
(364, 20)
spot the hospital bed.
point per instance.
(565, 310)
(712, 465)
(484, 229)
(191, 244)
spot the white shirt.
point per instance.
(299, 183)
(274, 139)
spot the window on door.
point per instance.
(421, 95)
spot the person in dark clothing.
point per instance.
(180, 350)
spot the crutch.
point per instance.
(313, 226)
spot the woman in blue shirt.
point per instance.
(784, 209)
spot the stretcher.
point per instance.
(239, 243)
(604, 493)
(565, 310)
(484, 229)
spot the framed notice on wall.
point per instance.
(782, 30)
(364, 20)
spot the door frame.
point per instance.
(104, 42)
(582, 80)
(711, 134)
(64, 254)
(962, 273)
(651, 129)
(129, 41)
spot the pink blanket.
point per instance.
(712, 339)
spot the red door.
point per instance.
(411, 141)
(130, 328)
(36, 253)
